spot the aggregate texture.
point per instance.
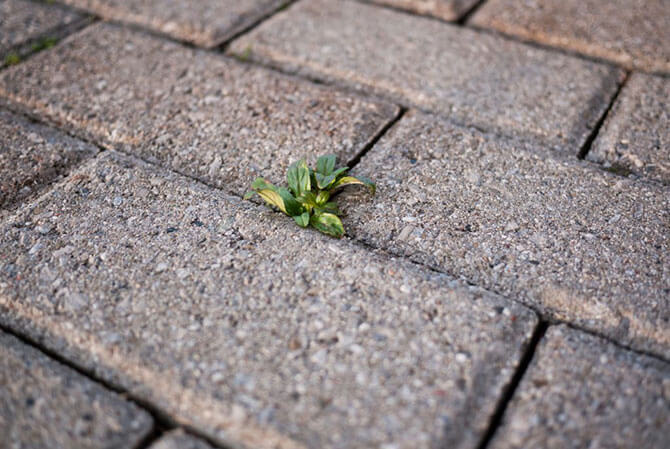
(177, 439)
(632, 33)
(442, 9)
(570, 239)
(636, 135)
(581, 391)
(471, 77)
(44, 404)
(234, 321)
(195, 112)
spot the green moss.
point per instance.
(44, 43)
(12, 58)
(619, 170)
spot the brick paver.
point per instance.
(32, 155)
(24, 22)
(196, 112)
(575, 241)
(179, 440)
(633, 33)
(205, 23)
(45, 404)
(472, 77)
(636, 135)
(270, 335)
(443, 9)
(581, 391)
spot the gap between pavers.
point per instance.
(449, 10)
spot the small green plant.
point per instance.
(309, 196)
(12, 59)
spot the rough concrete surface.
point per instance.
(562, 235)
(636, 134)
(44, 404)
(32, 155)
(196, 112)
(234, 321)
(581, 391)
(471, 77)
(205, 23)
(177, 439)
(633, 33)
(442, 9)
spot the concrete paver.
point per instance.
(473, 78)
(442, 9)
(179, 440)
(196, 112)
(636, 134)
(205, 23)
(633, 33)
(581, 391)
(45, 404)
(233, 320)
(562, 235)
(32, 155)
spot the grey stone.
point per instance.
(204, 22)
(442, 9)
(45, 404)
(636, 134)
(473, 78)
(633, 33)
(32, 155)
(196, 112)
(280, 337)
(581, 391)
(23, 23)
(572, 240)
(177, 439)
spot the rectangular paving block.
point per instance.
(633, 33)
(177, 439)
(32, 155)
(205, 23)
(570, 239)
(24, 23)
(442, 9)
(581, 391)
(473, 78)
(44, 404)
(196, 112)
(236, 322)
(636, 134)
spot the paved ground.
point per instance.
(507, 287)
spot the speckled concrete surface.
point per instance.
(563, 235)
(32, 155)
(474, 78)
(581, 391)
(636, 134)
(196, 112)
(177, 439)
(442, 9)
(24, 22)
(235, 321)
(205, 23)
(44, 404)
(633, 33)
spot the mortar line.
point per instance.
(470, 12)
(373, 141)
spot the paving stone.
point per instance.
(633, 33)
(636, 134)
(472, 77)
(570, 239)
(179, 440)
(581, 391)
(196, 112)
(45, 404)
(442, 9)
(233, 320)
(205, 23)
(32, 155)
(23, 23)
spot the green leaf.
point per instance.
(291, 206)
(302, 220)
(326, 164)
(308, 200)
(330, 206)
(322, 197)
(260, 184)
(249, 194)
(350, 180)
(328, 224)
(268, 192)
(324, 182)
(298, 178)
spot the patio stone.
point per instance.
(179, 440)
(442, 9)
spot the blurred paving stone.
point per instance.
(179, 440)
(23, 23)
(636, 134)
(205, 23)
(581, 391)
(32, 155)
(238, 323)
(442, 9)
(44, 404)
(633, 33)
(575, 241)
(196, 112)
(472, 77)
